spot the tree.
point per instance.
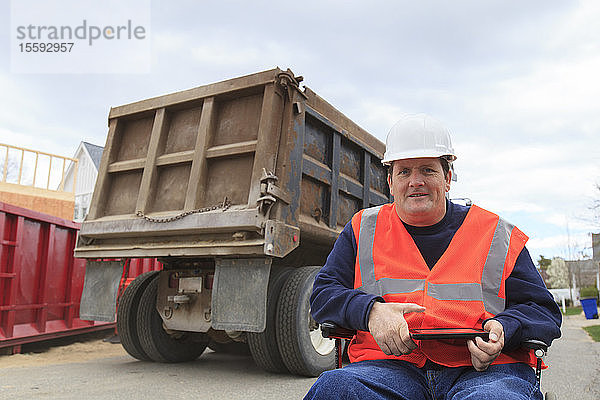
(558, 273)
(544, 262)
(12, 169)
(595, 208)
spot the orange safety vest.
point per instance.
(464, 288)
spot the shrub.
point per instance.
(588, 292)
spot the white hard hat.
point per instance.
(418, 136)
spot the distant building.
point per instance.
(583, 273)
(36, 180)
(89, 156)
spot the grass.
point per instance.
(573, 311)
(593, 331)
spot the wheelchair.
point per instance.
(339, 334)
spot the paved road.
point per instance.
(574, 373)
(574, 362)
(212, 376)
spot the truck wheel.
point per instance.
(127, 315)
(263, 345)
(303, 349)
(156, 342)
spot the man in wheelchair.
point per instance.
(425, 262)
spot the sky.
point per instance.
(516, 82)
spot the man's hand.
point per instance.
(484, 353)
(389, 328)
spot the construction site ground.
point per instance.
(97, 369)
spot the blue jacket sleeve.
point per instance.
(334, 298)
(531, 312)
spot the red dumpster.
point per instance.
(138, 266)
(40, 280)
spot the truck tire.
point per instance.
(303, 349)
(127, 312)
(159, 345)
(263, 346)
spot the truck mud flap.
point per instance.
(99, 297)
(239, 296)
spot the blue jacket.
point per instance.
(530, 313)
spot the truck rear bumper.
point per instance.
(240, 233)
(170, 249)
(134, 226)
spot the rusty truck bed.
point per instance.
(251, 166)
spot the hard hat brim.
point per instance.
(416, 154)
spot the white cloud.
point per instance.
(579, 30)
(566, 246)
(169, 41)
(382, 116)
(516, 83)
(549, 98)
(575, 223)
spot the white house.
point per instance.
(89, 156)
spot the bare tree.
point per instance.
(558, 273)
(595, 207)
(12, 169)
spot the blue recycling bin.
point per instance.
(590, 308)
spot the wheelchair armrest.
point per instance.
(535, 345)
(332, 331)
(539, 348)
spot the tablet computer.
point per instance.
(448, 333)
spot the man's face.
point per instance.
(419, 189)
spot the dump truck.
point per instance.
(239, 188)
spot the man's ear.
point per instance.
(448, 180)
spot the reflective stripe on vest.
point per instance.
(486, 291)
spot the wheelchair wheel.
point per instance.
(303, 349)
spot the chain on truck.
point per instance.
(240, 189)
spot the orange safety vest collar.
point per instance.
(464, 288)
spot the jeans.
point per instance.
(395, 379)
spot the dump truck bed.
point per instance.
(251, 166)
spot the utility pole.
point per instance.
(574, 288)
